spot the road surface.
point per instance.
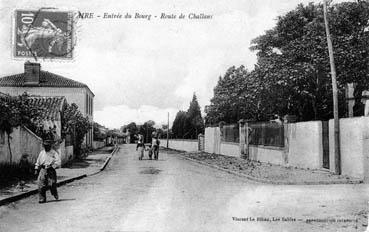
(173, 194)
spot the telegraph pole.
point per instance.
(168, 132)
(337, 154)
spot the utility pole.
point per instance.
(337, 154)
(168, 132)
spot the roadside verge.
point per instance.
(264, 172)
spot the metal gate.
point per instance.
(325, 129)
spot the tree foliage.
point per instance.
(292, 74)
(16, 111)
(189, 124)
(178, 127)
(75, 123)
(147, 130)
(98, 133)
(132, 128)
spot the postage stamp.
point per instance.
(43, 34)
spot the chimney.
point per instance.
(32, 73)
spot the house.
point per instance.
(35, 81)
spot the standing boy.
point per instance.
(48, 160)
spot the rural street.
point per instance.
(173, 194)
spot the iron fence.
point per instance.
(230, 133)
(267, 134)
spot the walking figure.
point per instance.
(48, 160)
(140, 147)
(155, 147)
(150, 149)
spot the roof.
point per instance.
(47, 79)
(51, 106)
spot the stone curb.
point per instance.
(108, 159)
(20, 196)
(263, 180)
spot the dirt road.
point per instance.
(173, 194)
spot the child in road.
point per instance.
(48, 160)
(155, 147)
(140, 147)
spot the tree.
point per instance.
(236, 96)
(188, 124)
(16, 111)
(178, 128)
(292, 72)
(74, 122)
(147, 130)
(98, 135)
(132, 128)
(195, 123)
(295, 58)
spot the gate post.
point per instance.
(201, 145)
(242, 131)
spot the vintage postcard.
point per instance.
(184, 115)
(43, 33)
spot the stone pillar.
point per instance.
(350, 88)
(201, 145)
(365, 101)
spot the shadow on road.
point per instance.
(70, 199)
(147, 159)
(150, 170)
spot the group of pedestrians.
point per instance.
(153, 148)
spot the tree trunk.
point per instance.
(10, 149)
(315, 108)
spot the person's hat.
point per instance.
(48, 142)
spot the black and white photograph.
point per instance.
(184, 116)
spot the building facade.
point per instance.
(35, 81)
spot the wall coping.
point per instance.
(185, 140)
(268, 147)
(230, 143)
(33, 134)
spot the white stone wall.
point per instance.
(304, 145)
(230, 149)
(22, 142)
(66, 153)
(212, 140)
(354, 145)
(266, 154)
(98, 144)
(183, 145)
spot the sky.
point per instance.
(141, 69)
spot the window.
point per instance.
(90, 111)
(86, 104)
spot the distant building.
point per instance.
(34, 81)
